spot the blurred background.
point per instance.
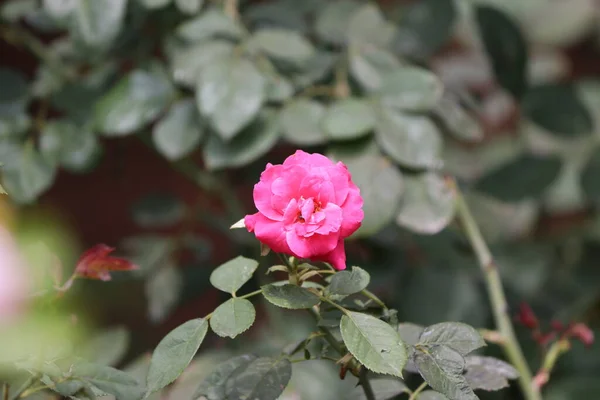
(144, 124)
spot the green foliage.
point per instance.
(232, 317)
(290, 296)
(232, 275)
(349, 282)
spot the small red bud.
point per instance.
(581, 332)
(557, 326)
(526, 317)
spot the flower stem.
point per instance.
(543, 375)
(496, 295)
(413, 395)
(366, 385)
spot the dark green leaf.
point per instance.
(424, 27)
(590, 177)
(456, 335)
(279, 88)
(230, 93)
(285, 45)
(109, 380)
(73, 147)
(188, 61)
(264, 379)
(428, 205)
(301, 122)
(290, 296)
(174, 353)
(383, 389)
(442, 368)
(189, 6)
(558, 109)
(233, 317)
(232, 275)
(346, 283)
(332, 22)
(527, 176)
(367, 26)
(96, 23)
(133, 102)
(179, 132)
(506, 48)
(370, 65)
(29, 177)
(213, 386)
(374, 343)
(252, 143)
(488, 373)
(349, 119)
(212, 23)
(410, 88)
(411, 140)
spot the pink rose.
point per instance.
(306, 208)
(14, 285)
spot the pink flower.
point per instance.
(14, 285)
(306, 208)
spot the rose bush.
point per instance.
(307, 206)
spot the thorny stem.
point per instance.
(496, 295)
(413, 395)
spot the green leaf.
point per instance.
(428, 205)
(264, 379)
(383, 389)
(108, 347)
(187, 62)
(96, 23)
(282, 44)
(279, 88)
(290, 296)
(488, 373)
(442, 369)
(316, 70)
(410, 334)
(589, 177)
(381, 185)
(558, 109)
(506, 47)
(230, 93)
(527, 176)
(301, 122)
(174, 353)
(348, 119)
(189, 6)
(233, 317)
(211, 23)
(332, 21)
(152, 4)
(213, 386)
(411, 140)
(252, 143)
(457, 121)
(109, 380)
(31, 176)
(375, 344)
(424, 27)
(369, 27)
(346, 283)
(133, 102)
(410, 88)
(14, 10)
(76, 148)
(456, 335)
(370, 65)
(232, 275)
(431, 395)
(179, 132)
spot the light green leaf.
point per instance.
(332, 21)
(152, 4)
(174, 353)
(410, 88)
(456, 335)
(458, 121)
(369, 27)
(488, 373)
(442, 368)
(264, 379)
(29, 177)
(527, 176)
(179, 132)
(96, 23)
(346, 283)
(233, 317)
(411, 140)
(230, 93)
(188, 61)
(381, 185)
(108, 347)
(189, 6)
(75, 148)
(383, 389)
(213, 386)
(282, 44)
(109, 380)
(232, 275)
(374, 343)
(59, 10)
(133, 102)
(301, 122)
(290, 296)
(211, 23)
(348, 119)
(370, 65)
(252, 143)
(431, 395)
